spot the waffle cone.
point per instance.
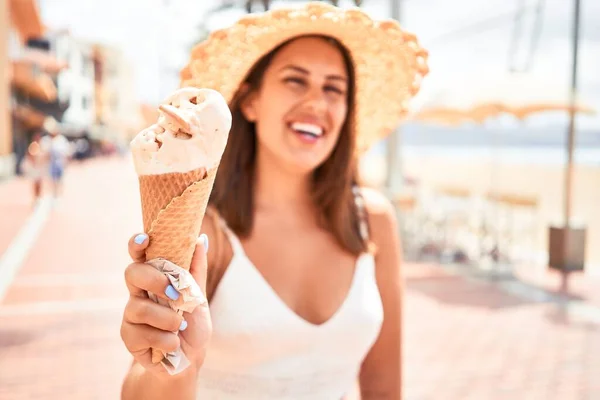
(173, 207)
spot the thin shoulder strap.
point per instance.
(235, 243)
(363, 222)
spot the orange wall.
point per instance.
(5, 128)
(25, 18)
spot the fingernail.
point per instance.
(204, 239)
(171, 292)
(183, 325)
(141, 238)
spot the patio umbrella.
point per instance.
(520, 95)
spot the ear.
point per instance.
(248, 103)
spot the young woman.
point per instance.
(303, 275)
(35, 164)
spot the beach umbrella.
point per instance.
(441, 116)
(461, 99)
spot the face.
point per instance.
(301, 106)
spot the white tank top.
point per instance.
(261, 349)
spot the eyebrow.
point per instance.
(306, 72)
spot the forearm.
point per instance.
(379, 395)
(381, 385)
(140, 384)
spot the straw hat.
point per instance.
(389, 63)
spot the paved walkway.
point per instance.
(15, 206)
(470, 339)
(465, 338)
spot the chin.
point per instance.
(304, 162)
(296, 160)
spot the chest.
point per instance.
(306, 269)
(253, 329)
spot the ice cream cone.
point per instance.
(173, 208)
(177, 160)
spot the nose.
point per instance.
(315, 100)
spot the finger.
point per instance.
(146, 311)
(198, 266)
(141, 278)
(137, 247)
(140, 338)
(172, 114)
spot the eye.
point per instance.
(333, 89)
(294, 81)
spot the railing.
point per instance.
(455, 225)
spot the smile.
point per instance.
(307, 129)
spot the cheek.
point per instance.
(272, 108)
(338, 114)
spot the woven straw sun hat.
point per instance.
(389, 63)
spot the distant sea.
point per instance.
(515, 145)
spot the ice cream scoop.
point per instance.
(191, 133)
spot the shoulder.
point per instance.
(383, 225)
(213, 228)
(380, 210)
(220, 252)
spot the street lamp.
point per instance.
(394, 163)
(567, 243)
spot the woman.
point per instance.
(34, 165)
(304, 280)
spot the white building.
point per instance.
(76, 83)
(118, 114)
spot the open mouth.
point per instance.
(307, 131)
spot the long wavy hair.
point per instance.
(332, 182)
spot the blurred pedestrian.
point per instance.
(35, 165)
(58, 151)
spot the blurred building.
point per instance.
(30, 93)
(117, 112)
(75, 83)
(5, 126)
(86, 87)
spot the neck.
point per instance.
(277, 187)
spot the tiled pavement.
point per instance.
(15, 206)
(59, 320)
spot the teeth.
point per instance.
(309, 128)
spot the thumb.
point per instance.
(198, 266)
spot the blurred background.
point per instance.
(495, 175)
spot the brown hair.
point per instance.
(233, 195)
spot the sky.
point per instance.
(468, 40)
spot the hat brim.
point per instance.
(389, 63)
